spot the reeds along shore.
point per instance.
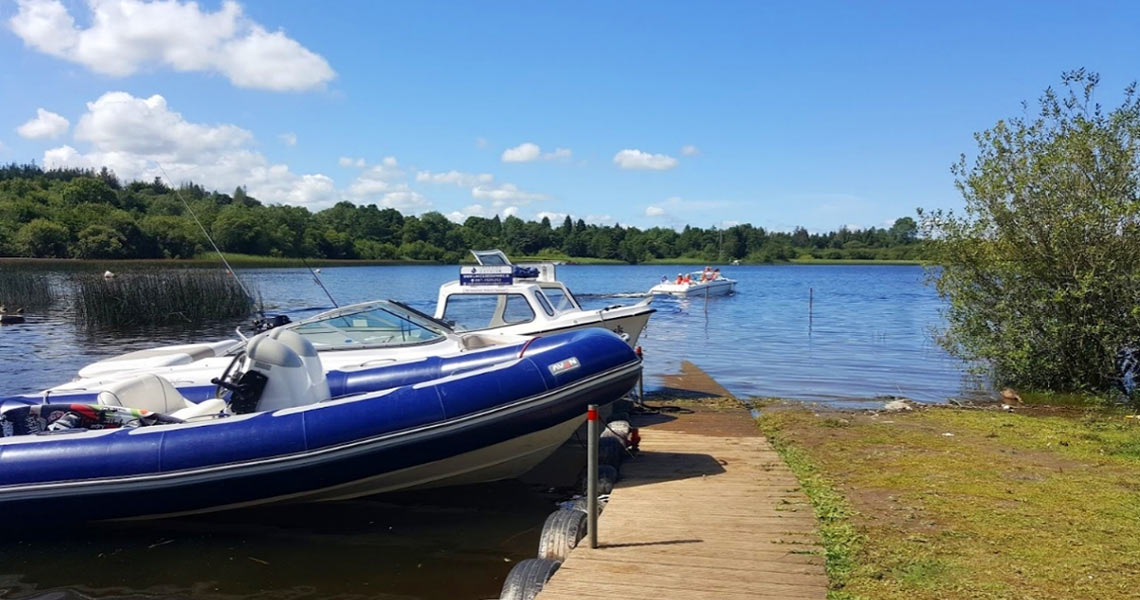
(25, 289)
(158, 297)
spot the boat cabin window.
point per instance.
(375, 327)
(544, 303)
(484, 311)
(560, 298)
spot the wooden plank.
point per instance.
(699, 517)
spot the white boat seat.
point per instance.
(204, 410)
(156, 394)
(146, 391)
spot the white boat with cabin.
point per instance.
(497, 297)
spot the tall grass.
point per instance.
(159, 298)
(25, 289)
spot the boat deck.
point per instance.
(707, 510)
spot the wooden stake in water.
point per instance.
(811, 302)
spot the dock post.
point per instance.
(640, 378)
(592, 474)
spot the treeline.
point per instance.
(73, 213)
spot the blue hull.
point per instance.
(297, 453)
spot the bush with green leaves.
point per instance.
(1042, 270)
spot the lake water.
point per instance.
(869, 335)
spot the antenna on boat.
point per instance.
(229, 269)
(319, 282)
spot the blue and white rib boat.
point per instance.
(280, 426)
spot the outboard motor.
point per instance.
(318, 390)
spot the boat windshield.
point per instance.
(373, 325)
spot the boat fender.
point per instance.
(527, 578)
(561, 532)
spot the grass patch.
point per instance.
(945, 503)
(574, 260)
(153, 297)
(841, 540)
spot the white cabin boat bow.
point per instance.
(497, 297)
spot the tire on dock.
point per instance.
(611, 451)
(582, 505)
(561, 532)
(607, 477)
(527, 578)
(618, 429)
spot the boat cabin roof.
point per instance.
(468, 306)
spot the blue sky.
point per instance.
(820, 114)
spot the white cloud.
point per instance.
(556, 218)
(654, 211)
(125, 36)
(599, 219)
(507, 192)
(479, 210)
(142, 138)
(690, 150)
(525, 152)
(530, 152)
(289, 139)
(382, 184)
(459, 178)
(45, 126)
(3, 148)
(632, 159)
(347, 162)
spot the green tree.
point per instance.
(100, 241)
(88, 190)
(41, 238)
(1042, 271)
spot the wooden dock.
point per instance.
(707, 510)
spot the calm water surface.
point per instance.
(869, 335)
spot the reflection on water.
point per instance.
(869, 336)
(445, 544)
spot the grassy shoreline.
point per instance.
(969, 503)
(250, 261)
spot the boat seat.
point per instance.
(202, 411)
(146, 391)
(156, 394)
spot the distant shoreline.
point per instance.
(248, 261)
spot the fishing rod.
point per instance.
(229, 269)
(319, 282)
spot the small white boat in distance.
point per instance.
(694, 286)
(500, 298)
